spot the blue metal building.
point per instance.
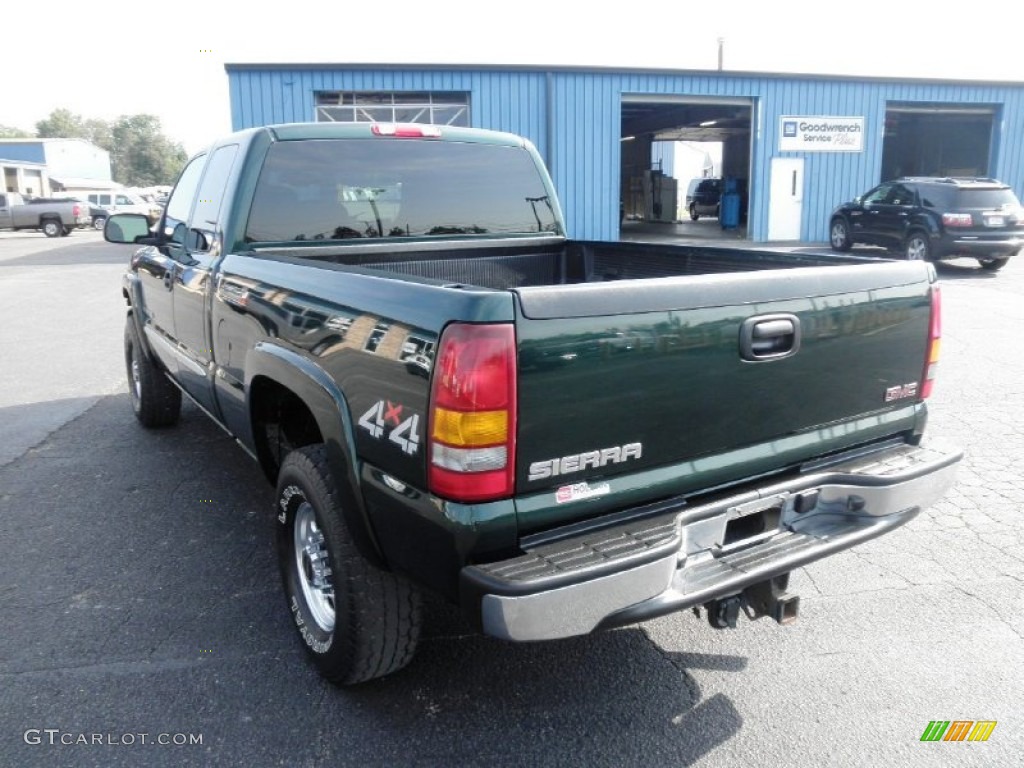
(800, 143)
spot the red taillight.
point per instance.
(957, 219)
(931, 363)
(401, 131)
(76, 211)
(473, 413)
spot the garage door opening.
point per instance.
(669, 144)
(937, 140)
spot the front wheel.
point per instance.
(917, 247)
(155, 400)
(693, 213)
(356, 621)
(839, 235)
(992, 265)
(98, 222)
(52, 228)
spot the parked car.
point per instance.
(930, 218)
(704, 197)
(54, 218)
(118, 202)
(494, 414)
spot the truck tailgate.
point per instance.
(771, 367)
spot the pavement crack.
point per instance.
(810, 578)
(687, 679)
(963, 590)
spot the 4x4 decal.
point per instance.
(386, 417)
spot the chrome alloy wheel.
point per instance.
(917, 248)
(838, 234)
(314, 568)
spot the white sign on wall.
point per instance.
(821, 134)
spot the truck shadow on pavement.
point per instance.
(90, 251)
(140, 594)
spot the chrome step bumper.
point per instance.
(674, 556)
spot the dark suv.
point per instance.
(934, 218)
(704, 197)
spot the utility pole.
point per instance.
(721, 46)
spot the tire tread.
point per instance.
(382, 609)
(159, 404)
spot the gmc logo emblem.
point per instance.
(901, 392)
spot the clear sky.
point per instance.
(106, 59)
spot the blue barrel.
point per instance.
(729, 213)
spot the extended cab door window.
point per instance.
(206, 215)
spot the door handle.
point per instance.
(169, 279)
(769, 337)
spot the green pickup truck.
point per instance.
(559, 436)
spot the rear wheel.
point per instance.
(65, 232)
(992, 265)
(917, 247)
(156, 402)
(52, 228)
(839, 235)
(357, 621)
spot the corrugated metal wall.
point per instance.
(580, 136)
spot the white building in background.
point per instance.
(25, 178)
(64, 165)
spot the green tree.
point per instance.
(99, 133)
(61, 124)
(10, 132)
(141, 155)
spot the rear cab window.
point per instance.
(354, 189)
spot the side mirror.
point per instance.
(130, 228)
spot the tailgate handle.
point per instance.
(769, 337)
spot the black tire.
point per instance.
(65, 232)
(52, 227)
(839, 235)
(357, 622)
(693, 213)
(155, 400)
(99, 222)
(993, 265)
(918, 247)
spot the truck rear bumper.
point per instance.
(671, 556)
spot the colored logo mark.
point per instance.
(958, 730)
(789, 128)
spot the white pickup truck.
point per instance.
(54, 218)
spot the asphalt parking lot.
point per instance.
(139, 593)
